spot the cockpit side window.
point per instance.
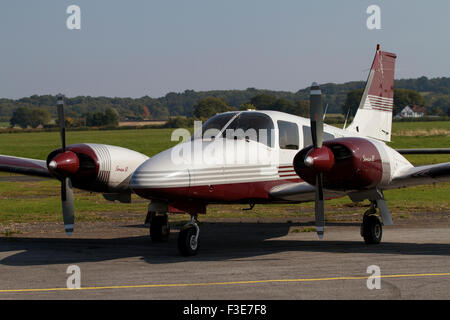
(288, 135)
(254, 126)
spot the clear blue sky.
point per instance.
(152, 47)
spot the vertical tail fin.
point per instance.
(374, 116)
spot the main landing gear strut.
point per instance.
(159, 227)
(371, 228)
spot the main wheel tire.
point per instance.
(187, 245)
(372, 229)
(159, 228)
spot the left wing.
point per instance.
(421, 175)
(424, 151)
(32, 167)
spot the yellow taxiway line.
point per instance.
(227, 283)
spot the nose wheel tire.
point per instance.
(159, 228)
(371, 229)
(188, 241)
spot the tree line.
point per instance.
(402, 97)
(35, 117)
(209, 106)
(435, 92)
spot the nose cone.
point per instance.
(64, 164)
(320, 159)
(160, 178)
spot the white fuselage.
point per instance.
(224, 169)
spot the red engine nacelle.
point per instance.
(96, 167)
(80, 163)
(355, 164)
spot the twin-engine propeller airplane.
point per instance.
(250, 157)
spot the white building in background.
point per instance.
(411, 112)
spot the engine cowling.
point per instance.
(354, 164)
(96, 167)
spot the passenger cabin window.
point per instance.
(288, 135)
(251, 125)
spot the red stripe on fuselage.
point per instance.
(221, 193)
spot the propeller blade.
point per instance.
(67, 205)
(61, 119)
(319, 207)
(316, 115)
(66, 183)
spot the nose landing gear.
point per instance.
(188, 238)
(371, 228)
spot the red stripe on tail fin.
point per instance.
(374, 115)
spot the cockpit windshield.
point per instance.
(251, 125)
(247, 125)
(212, 127)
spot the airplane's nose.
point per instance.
(160, 178)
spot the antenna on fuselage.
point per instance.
(346, 117)
(325, 113)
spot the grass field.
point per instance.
(151, 141)
(39, 144)
(433, 134)
(32, 201)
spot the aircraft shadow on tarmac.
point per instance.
(219, 241)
